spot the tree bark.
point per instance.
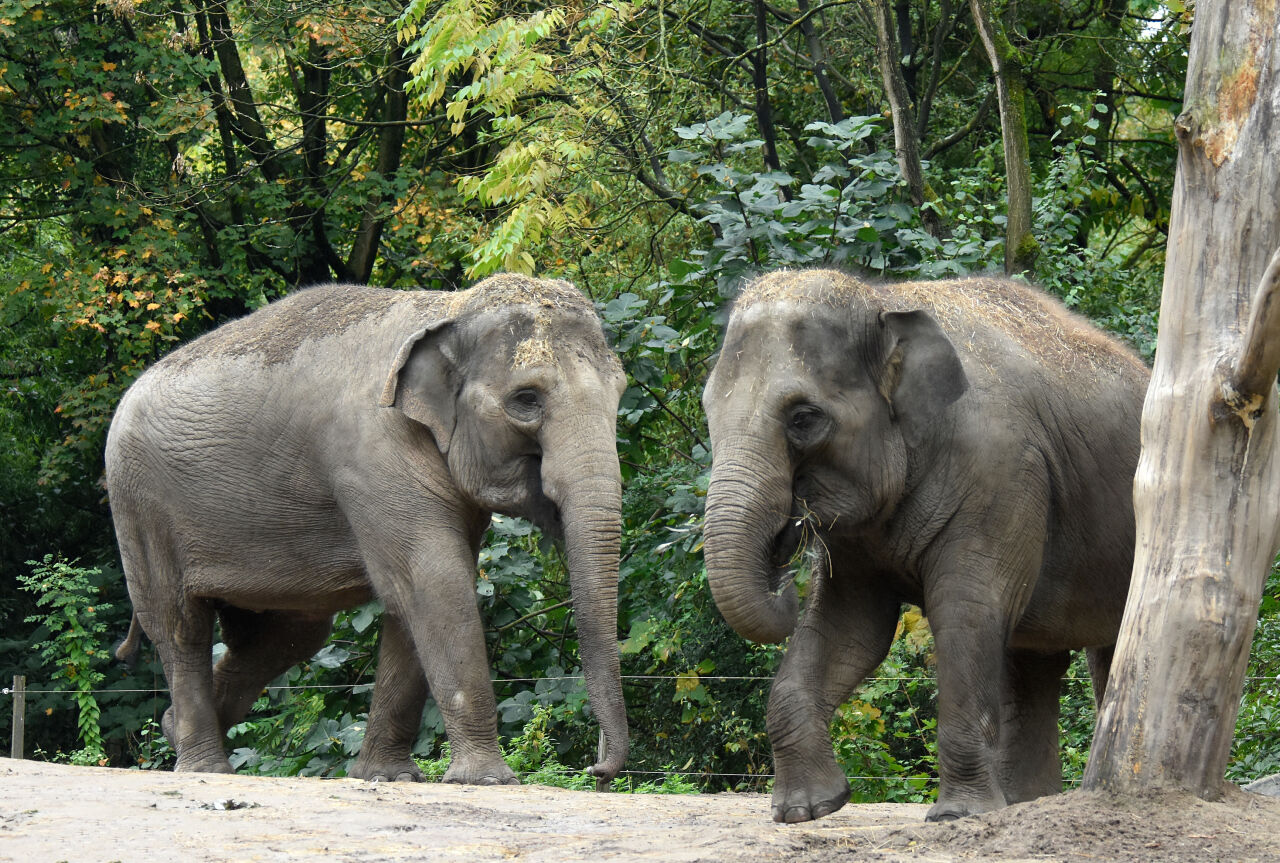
(247, 124)
(818, 55)
(760, 78)
(906, 141)
(1020, 248)
(364, 249)
(1207, 491)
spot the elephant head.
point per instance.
(818, 399)
(520, 392)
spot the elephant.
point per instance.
(967, 446)
(346, 443)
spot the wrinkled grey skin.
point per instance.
(347, 443)
(965, 446)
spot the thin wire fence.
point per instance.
(359, 688)
(509, 680)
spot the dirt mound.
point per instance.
(1083, 826)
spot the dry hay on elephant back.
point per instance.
(1165, 827)
(1038, 323)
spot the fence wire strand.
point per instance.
(497, 681)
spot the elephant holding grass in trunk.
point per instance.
(965, 446)
(346, 443)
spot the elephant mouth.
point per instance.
(545, 515)
(786, 545)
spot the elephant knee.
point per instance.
(793, 714)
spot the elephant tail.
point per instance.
(127, 650)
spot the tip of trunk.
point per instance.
(768, 618)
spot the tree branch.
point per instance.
(818, 55)
(248, 125)
(760, 81)
(924, 104)
(1245, 393)
(978, 118)
(364, 250)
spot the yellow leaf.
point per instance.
(151, 307)
(46, 268)
(154, 326)
(106, 67)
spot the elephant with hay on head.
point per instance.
(966, 446)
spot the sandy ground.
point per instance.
(52, 812)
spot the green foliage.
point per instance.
(848, 213)
(501, 74)
(72, 645)
(1075, 720)
(310, 721)
(155, 752)
(886, 736)
(1256, 752)
(533, 755)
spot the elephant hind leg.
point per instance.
(185, 643)
(260, 647)
(1099, 670)
(1030, 765)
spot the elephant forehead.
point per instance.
(829, 288)
(536, 350)
(785, 332)
(510, 289)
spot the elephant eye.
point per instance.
(525, 405)
(805, 424)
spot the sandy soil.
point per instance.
(52, 812)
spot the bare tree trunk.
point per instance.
(364, 249)
(818, 54)
(1021, 248)
(760, 76)
(906, 140)
(1207, 491)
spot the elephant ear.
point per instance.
(423, 381)
(922, 374)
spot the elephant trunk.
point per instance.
(584, 482)
(747, 541)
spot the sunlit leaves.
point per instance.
(503, 73)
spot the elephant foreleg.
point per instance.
(969, 640)
(444, 624)
(846, 632)
(399, 693)
(1030, 766)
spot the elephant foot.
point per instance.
(817, 798)
(952, 810)
(213, 760)
(402, 770)
(480, 771)
(218, 764)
